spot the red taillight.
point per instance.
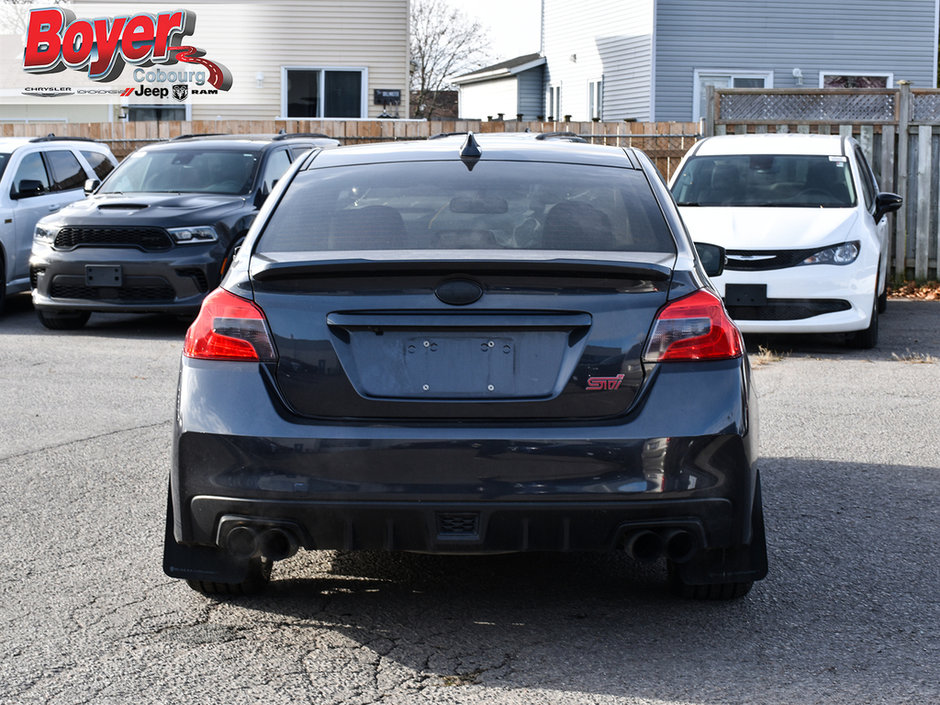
(694, 328)
(229, 328)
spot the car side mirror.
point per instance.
(91, 185)
(886, 203)
(27, 188)
(712, 257)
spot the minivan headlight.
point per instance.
(45, 233)
(846, 253)
(193, 235)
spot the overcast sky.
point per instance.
(514, 24)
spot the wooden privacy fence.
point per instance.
(664, 142)
(898, 130)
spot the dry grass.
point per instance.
(915, 358)
(764, 356)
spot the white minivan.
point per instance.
(38, 176)
(802, 221)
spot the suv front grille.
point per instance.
(143, 237)
(146, 289)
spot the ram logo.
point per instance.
(604, 383)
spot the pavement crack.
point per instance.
(65, 444)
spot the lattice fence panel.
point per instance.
(925, 107)
(827, 107)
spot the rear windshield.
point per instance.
(445, 206)
(796, 181)
(184, 170)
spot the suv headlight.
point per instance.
(45, 233)
(846, 253)
(194, 235)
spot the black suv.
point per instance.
(467, 346)
(159, 233)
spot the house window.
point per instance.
(849, 79)
(156, 113)
(324, 93)
(596, 100)
(725, 79)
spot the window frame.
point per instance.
(888, 75)
(321, 86)
(698, 95)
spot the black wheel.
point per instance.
(883, 300)
(3, 281)
(63, 320)
(730, 590)
(259, 574)
(867, 338)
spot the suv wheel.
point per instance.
(63, 320)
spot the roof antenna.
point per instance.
(470, 152)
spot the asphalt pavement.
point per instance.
(849, 613)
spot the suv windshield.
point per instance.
(184, 170)
(795, 181)
(446, 206)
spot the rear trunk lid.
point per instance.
(464, 338)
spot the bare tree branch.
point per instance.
(444, 42)
(14, 14)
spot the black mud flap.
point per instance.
(200, 563)
(737, 564)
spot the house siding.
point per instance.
(531, 97)
(487, 99)
(608, 40)
(759, 35)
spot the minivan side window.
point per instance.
(67, 172)
(31, 169)
(99, 162)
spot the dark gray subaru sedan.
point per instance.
(467, 345)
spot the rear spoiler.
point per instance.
(266, 269)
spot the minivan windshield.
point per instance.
(794, 181)
(184, 171)
(443, 205)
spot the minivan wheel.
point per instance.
(259, 574)
(867, 338)
(63, 320)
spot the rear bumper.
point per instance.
(684, 458)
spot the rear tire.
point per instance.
(729, 590)
(63, 320)
(259, 575)
(3, 282)
(883, 301)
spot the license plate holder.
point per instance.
(746, 294)
(104, 275)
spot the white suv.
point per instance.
(38, 176)
(802, 220)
